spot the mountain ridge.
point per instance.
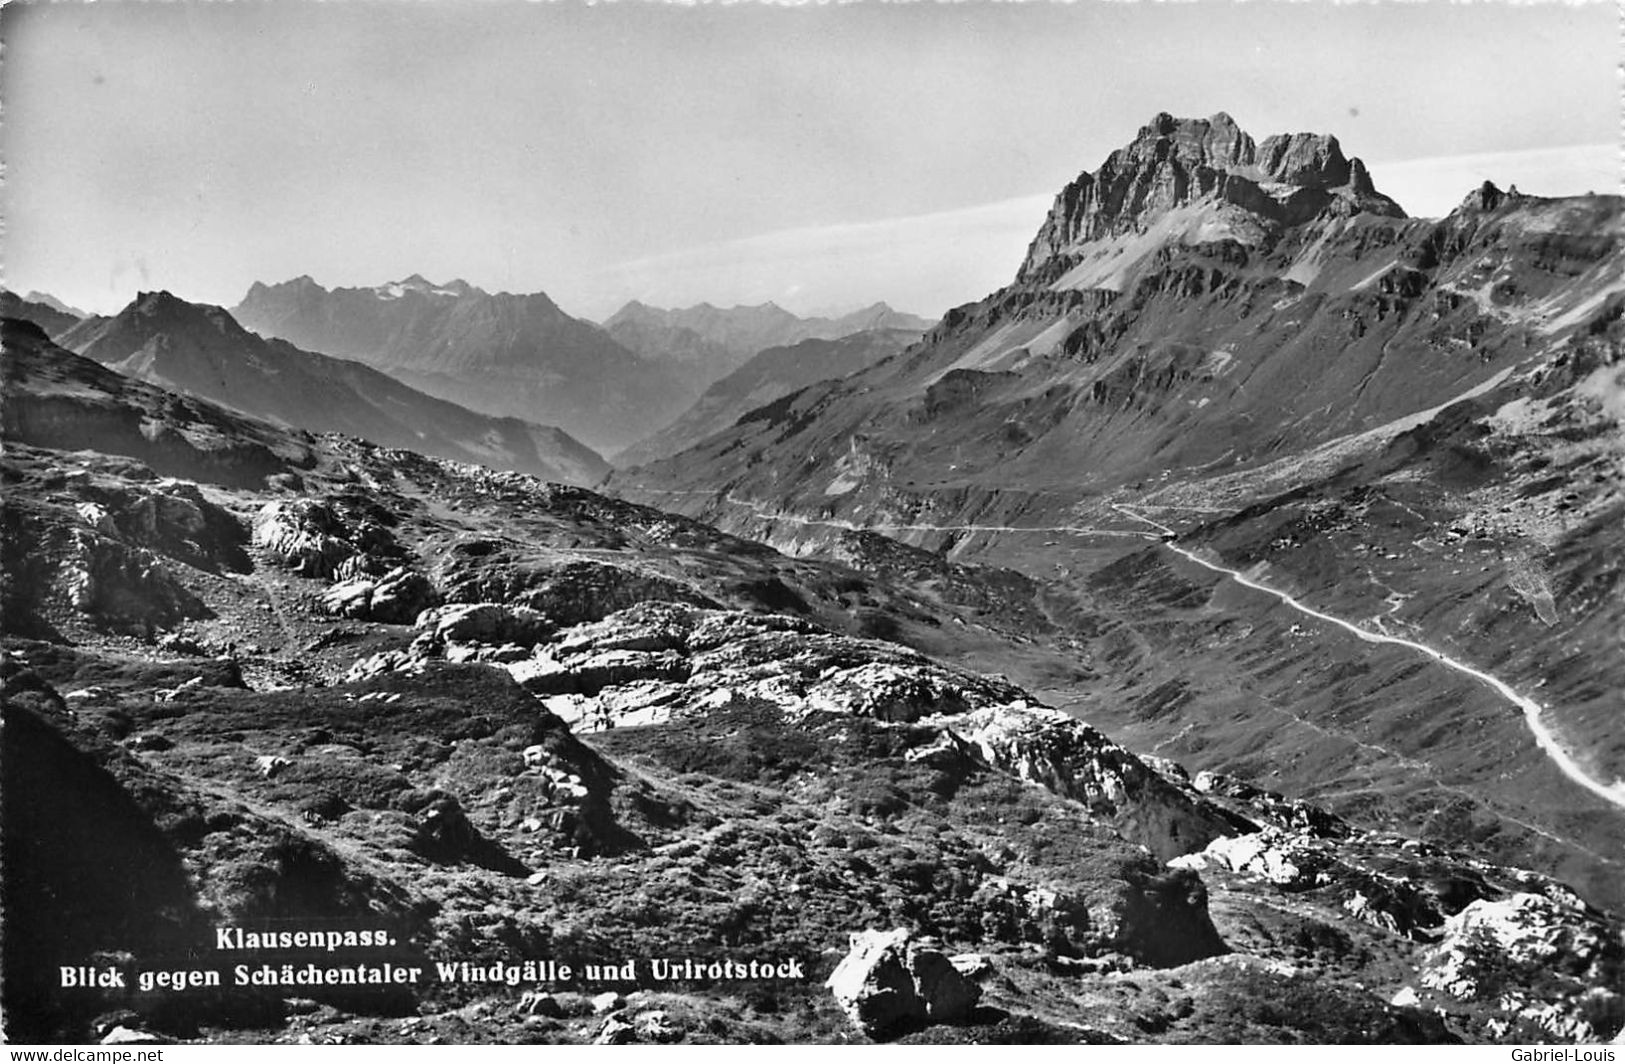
(203, 350)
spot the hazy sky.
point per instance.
(824, 155)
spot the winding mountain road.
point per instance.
(1533, 712)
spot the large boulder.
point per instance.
(890, 983)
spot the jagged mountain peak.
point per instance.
(1198, 180)
(1489, 197)
(1215, 141)
(164, 311)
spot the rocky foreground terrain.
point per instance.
(264, 681)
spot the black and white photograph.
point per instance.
(920, 523)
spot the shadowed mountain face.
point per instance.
(770, 375)
(511, 355)
(304, 682)
(707, 343)
(203, 351)
(1412, 426)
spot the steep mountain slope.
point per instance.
(500, 726)
(1413, 423)
(512, 355)
(707, 343)
(203, 351)
(47, 315)
(770, 375)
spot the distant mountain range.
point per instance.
(770, 375)
(203, 351)
(512, 355)
(708, 342)
(521, 355)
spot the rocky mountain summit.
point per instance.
(1212, 178)
(202, 350)
(498, 353)
(284, 681)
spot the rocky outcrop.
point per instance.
(1067, 756)
(318, 538)
(120, 585)
(168, 516)
(1362, 876)
(1259, 804)
(113, 555)
(1486, 197)
(1552, 968)
(662, 659)
(484, 622)
(569, 588)
(890, 983)
(1023, 912)
(397, 597)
